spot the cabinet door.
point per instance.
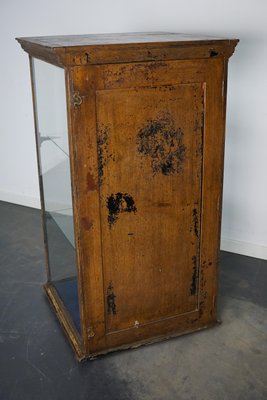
(151, 128)
(150, 141)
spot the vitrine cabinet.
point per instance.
(130, 144)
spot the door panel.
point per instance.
(150, 169)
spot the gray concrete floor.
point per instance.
(36, 361)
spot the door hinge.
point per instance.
(91, 332)
(77, 99)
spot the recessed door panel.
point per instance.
(150, 169)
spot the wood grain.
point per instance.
(128, 47)
(149, 229)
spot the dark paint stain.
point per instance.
(130, 234)
(119, 203)
(91, 184)
(199, 125)
(111, 300)
(199, 129)
(163, 142)
(195, 220)
(165, 88)
(86, 223)
(202, 123)
(213, 53)
(193, 288)
(103, 132)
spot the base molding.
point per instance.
(65, 320)
(244, 248)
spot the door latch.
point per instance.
(77, 99)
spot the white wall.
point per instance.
(245, 191)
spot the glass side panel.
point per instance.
(50, 99)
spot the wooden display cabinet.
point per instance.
(130, 144)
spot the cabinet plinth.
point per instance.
(130, 144)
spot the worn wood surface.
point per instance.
(150, 196)
(150, 140)
(121, 38)
(146, 123)
(127, 47)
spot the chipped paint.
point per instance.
(103, 132)
(162, 141)
(119, 203)
(195, 221)
(193, 288)
(213, 53)
(136, 324)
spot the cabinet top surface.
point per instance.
(120, 38)
(105, 48)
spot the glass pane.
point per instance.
(50, 98)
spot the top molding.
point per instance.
(74, 50)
